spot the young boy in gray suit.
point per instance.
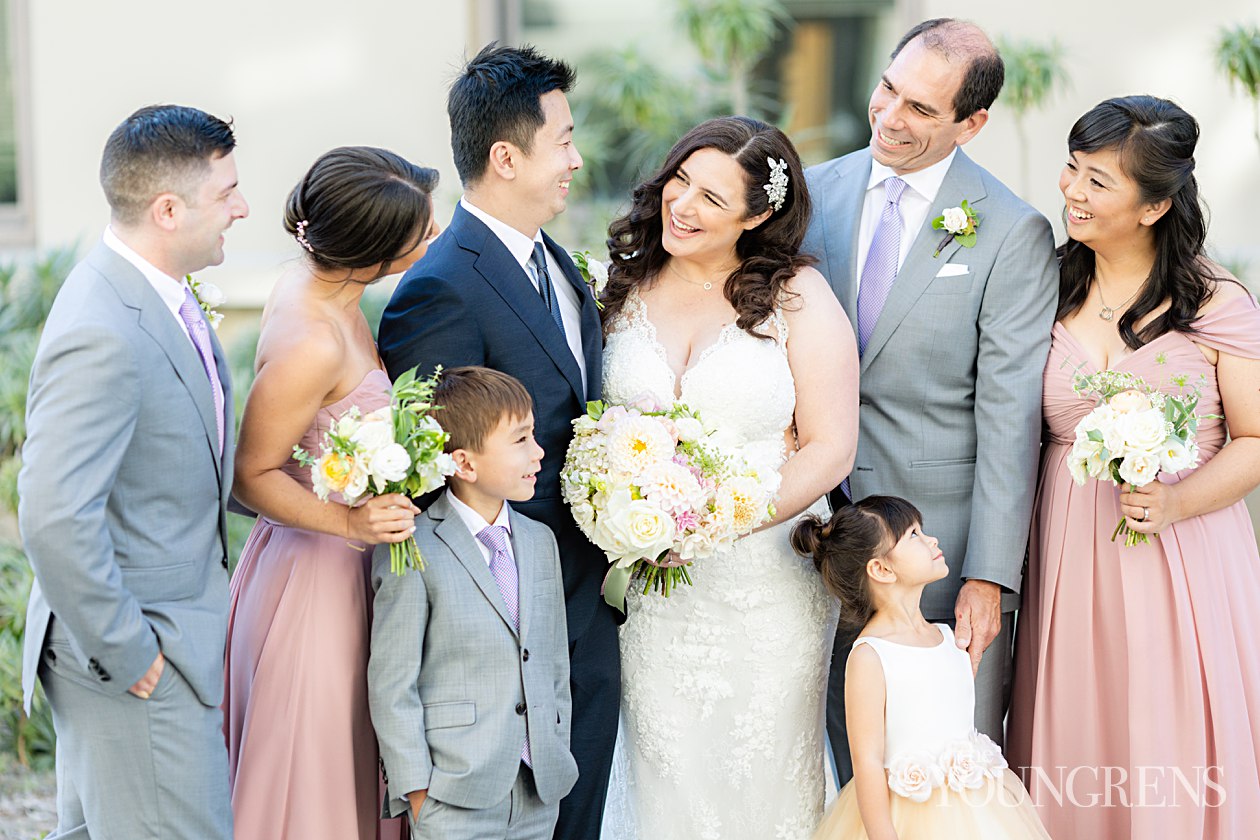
(468, 680)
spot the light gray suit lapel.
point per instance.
(523, 551)
(156, 320)
(920, 268)
(451, 530)
(842, 223)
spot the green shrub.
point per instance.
(30, 740)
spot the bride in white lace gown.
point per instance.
(723, 683)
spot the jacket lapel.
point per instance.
(156, 320)
(842, 226)
(592, 328)
(917, 272)
(508, 279)
(523, 551)
(451, 530)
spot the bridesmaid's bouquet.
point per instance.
(652, 488)
(395, 449)
(1135, 432)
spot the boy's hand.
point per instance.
(416, 798)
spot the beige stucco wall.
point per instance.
(297, 78)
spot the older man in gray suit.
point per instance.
(126, 472)
(953, 333)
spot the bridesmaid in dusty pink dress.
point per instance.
(1137, 683)
(303, 756)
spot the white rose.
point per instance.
(599, 275)
(914, 776)
(696, 546)
(358, 483)
(1142, 431)
(1077, 468)
(374, 435)
(1085, 452)
(635, 529)
(689, 429)
(389, 463)
(346, 425)
(1175, 456)
(583, 514)
(1139, 468)
(962, 766)
(955, 220)
(210, 294)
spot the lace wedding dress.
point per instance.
(723, 682)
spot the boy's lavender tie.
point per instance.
(503, 570)
(190, 312)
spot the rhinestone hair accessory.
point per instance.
(776, 190)
(300, 233)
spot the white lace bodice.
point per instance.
(742, 386)
(723, 681)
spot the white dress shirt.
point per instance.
(170, 290)
(918, 197)
(521, 247)
(476, 523)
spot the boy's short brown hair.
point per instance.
(474, 400)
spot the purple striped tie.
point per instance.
(190, 312)
(503, 570)
(881, 262)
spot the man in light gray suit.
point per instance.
(953, 335)
(126, 472)
(468, 679)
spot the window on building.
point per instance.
(15, 200)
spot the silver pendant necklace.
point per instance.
(1107, 313)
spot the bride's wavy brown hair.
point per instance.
(769, 254)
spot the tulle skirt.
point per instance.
(1001, 808)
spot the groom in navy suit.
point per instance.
(494, 290)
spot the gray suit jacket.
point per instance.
(950, 394)
(452, 686)
(122, 493)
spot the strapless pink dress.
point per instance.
(1139, 668)
(302, 753)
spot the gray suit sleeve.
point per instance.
(399, 619)
(1016, 316)
(81, 415)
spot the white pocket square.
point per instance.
(953, 270)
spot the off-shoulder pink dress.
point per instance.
(302, 752)
(1137, 682)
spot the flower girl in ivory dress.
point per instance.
(920, 768)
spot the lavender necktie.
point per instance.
(190, 312)
(879, 272)
(503, 570)
(881, 262)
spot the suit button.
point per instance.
(94, 666)
(50, 655)
(525, 655)
(520, 708)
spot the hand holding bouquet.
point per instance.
(1135, 432)
(648, 486)
(396, 449)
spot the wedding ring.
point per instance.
(1146, 513)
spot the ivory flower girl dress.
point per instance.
(945, 779)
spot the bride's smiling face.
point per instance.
(703, 210)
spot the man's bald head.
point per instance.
(962, 41)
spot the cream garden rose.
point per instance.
(955, 220)
(915, 776)
(1127, 402)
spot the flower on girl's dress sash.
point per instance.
(915, 776)
(962, 768)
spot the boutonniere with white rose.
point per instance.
(209, 296)
(594, 273)
(959, 223)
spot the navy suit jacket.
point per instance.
(469, 302)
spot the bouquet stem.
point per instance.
(1131, 537)
(404, 556)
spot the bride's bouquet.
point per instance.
(653, 489)
(395, 449)
(1135, 432)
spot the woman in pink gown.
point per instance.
(1137, 686)
(303, 756)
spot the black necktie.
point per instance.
(545, 289)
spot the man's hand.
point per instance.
(978, 612)
(145, 685)
(416, 798)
